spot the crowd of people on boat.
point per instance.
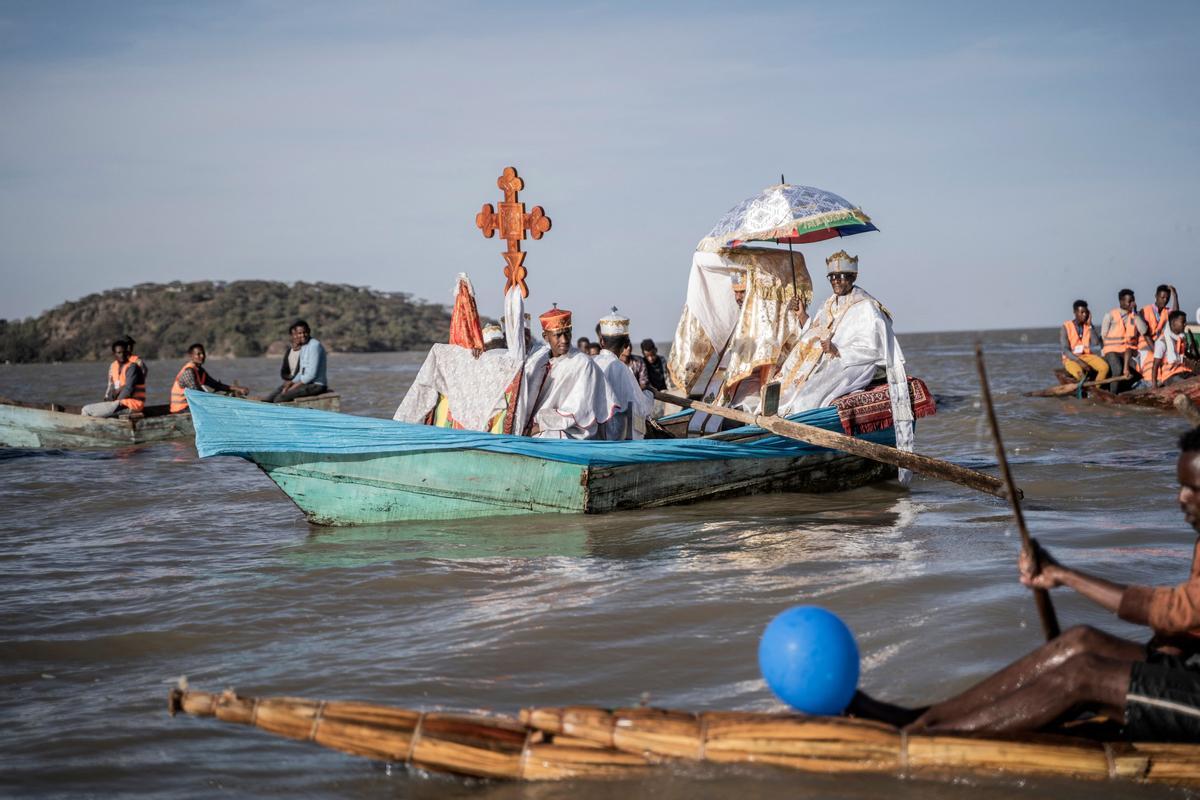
(1133, 348)
(302, 372)
(575, 388)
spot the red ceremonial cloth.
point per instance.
(870, 409)
(465, 330)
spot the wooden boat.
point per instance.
(51, 425)
(584, 742)
(343, 470)
(1161, 399)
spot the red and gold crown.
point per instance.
(555, 320)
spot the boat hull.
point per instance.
(40, 426)
(356, 489)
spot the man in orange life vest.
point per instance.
(1156, 317)
(1170, 365)
(1081, 346)
(193, 376)
(1153, 688)
(126, 391)
(1122, 330)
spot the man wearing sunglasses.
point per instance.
(847, 345)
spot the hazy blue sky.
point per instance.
(1014, 155)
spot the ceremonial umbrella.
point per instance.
(788, 214)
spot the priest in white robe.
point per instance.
(570, 397)
(628, 422)
(839, 350)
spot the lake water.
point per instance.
(122, 570)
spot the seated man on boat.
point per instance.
(1080, 346)
(843, 348)
(1155, 314)
(1122, 330)
(126, 391)
(192, 375)
(1153, 688)
(570, 396)
(303, 368)
(1171, 365)
(635, 405)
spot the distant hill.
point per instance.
(240, 318)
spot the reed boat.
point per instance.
(52, 425)
(559, 743)
(1161, 399)
(348, 470)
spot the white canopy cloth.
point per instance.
(571, 397)
(861, 329)
(757, 332)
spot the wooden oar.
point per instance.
(931, 467)
(1070, 388)
(1185, 406)
(1040, 596)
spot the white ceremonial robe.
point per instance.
(634, 403)
(571, 397)
(862, 332)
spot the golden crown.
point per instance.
(841, 261)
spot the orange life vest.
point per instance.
(178, 399)
(1166, 369)
(1156, 319)
(1075, 338)
(116, 378)
(1122, 335)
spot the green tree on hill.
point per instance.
(239, 318)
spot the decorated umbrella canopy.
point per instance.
(788, 214)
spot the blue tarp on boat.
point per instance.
(228, 426)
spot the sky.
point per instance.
(1015, 155)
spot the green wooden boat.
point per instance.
(346, 470)
(52, 425)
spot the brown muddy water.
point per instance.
(122, 570)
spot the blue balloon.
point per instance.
(809, 659)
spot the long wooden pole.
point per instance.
(1040, 596)
(1070, 388)
(932, 467)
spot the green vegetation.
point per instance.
(242, 318)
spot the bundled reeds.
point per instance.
(829, 744)
(580, 741)
(461, 744)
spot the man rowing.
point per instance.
(1152, 688)
(843, 348)
(570, 397)
(192, 375)
(1121, 330)
(126, 389)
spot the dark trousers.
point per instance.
(299, 390)
(1116, 366)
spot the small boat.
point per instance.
(1161, 399)
(560, 743)
(51, 425)
(349, 470)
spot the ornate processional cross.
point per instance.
(512, 222)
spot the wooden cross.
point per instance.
(512, 222)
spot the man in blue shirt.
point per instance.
(303, 368)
